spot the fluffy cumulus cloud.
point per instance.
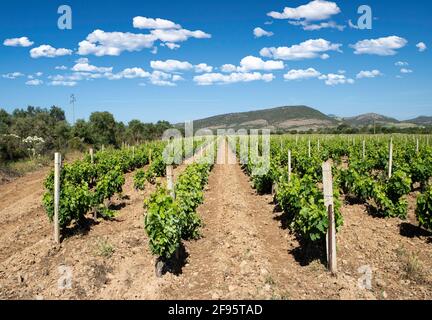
(12, 75)
(251, 63)
(301, 74)
(387, 46)
(83, 65)
(228, 68)
(332, 79)
(171, 65)
(18, 42)
(260, 32)
(34, 82)
(149, 23)
(406, 70)
(203, 68)
(313, 11)
(48, 51)
(369, 74)
(421, 46)
(219, 78)
(306, 15)
(101, 43)
(306, 50)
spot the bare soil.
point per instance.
(245, 251)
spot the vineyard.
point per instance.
(134, 226)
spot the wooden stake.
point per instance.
(309, 148)
(364, 149)
(329, 203)
(170, 180)
(150, 156)
(133, 151)
(57, 171)
(318, 147)
(92, 155)
(390, 158)
(289, 165)
(417, 146)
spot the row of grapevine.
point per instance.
(170, 220)
(361, 166)
(89, 184)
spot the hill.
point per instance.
(421, 121)
(299, 118)
(370, 119)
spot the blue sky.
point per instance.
(173, 68)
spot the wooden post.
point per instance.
(57, 171)
(170, 180)
(133, 151)
(103, 147)
(364, 149)
(309, 148)
(318, 146)
(92, 155)
(329, 204)
(417, 146)
(390, 158)
(289, 166)
(150, 156)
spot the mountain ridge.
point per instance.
(300, 118)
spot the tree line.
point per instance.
(35, 130)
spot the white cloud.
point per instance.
(382, 46)
(250, 63)
(313, 11)
(48, 51)
(405, 70)
(162, 79)
(228, 68)
(219, 78)
(369, 74)
(61, 68)
(18, 42)
(307, 26)
(171, 65)
(129, 73)
(57, 83)
(170, 45)
(149, 23)
(13, 75)
(332, 79)
(421, 46)
(178, 35)
(401, 64)
(260, 32)
(301, 74)
(34, 82)
(39, 74)
(203, 67)
(101, 43)
(83, 65)
(177, 77)
(306, 50)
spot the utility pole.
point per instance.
(72, 102)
